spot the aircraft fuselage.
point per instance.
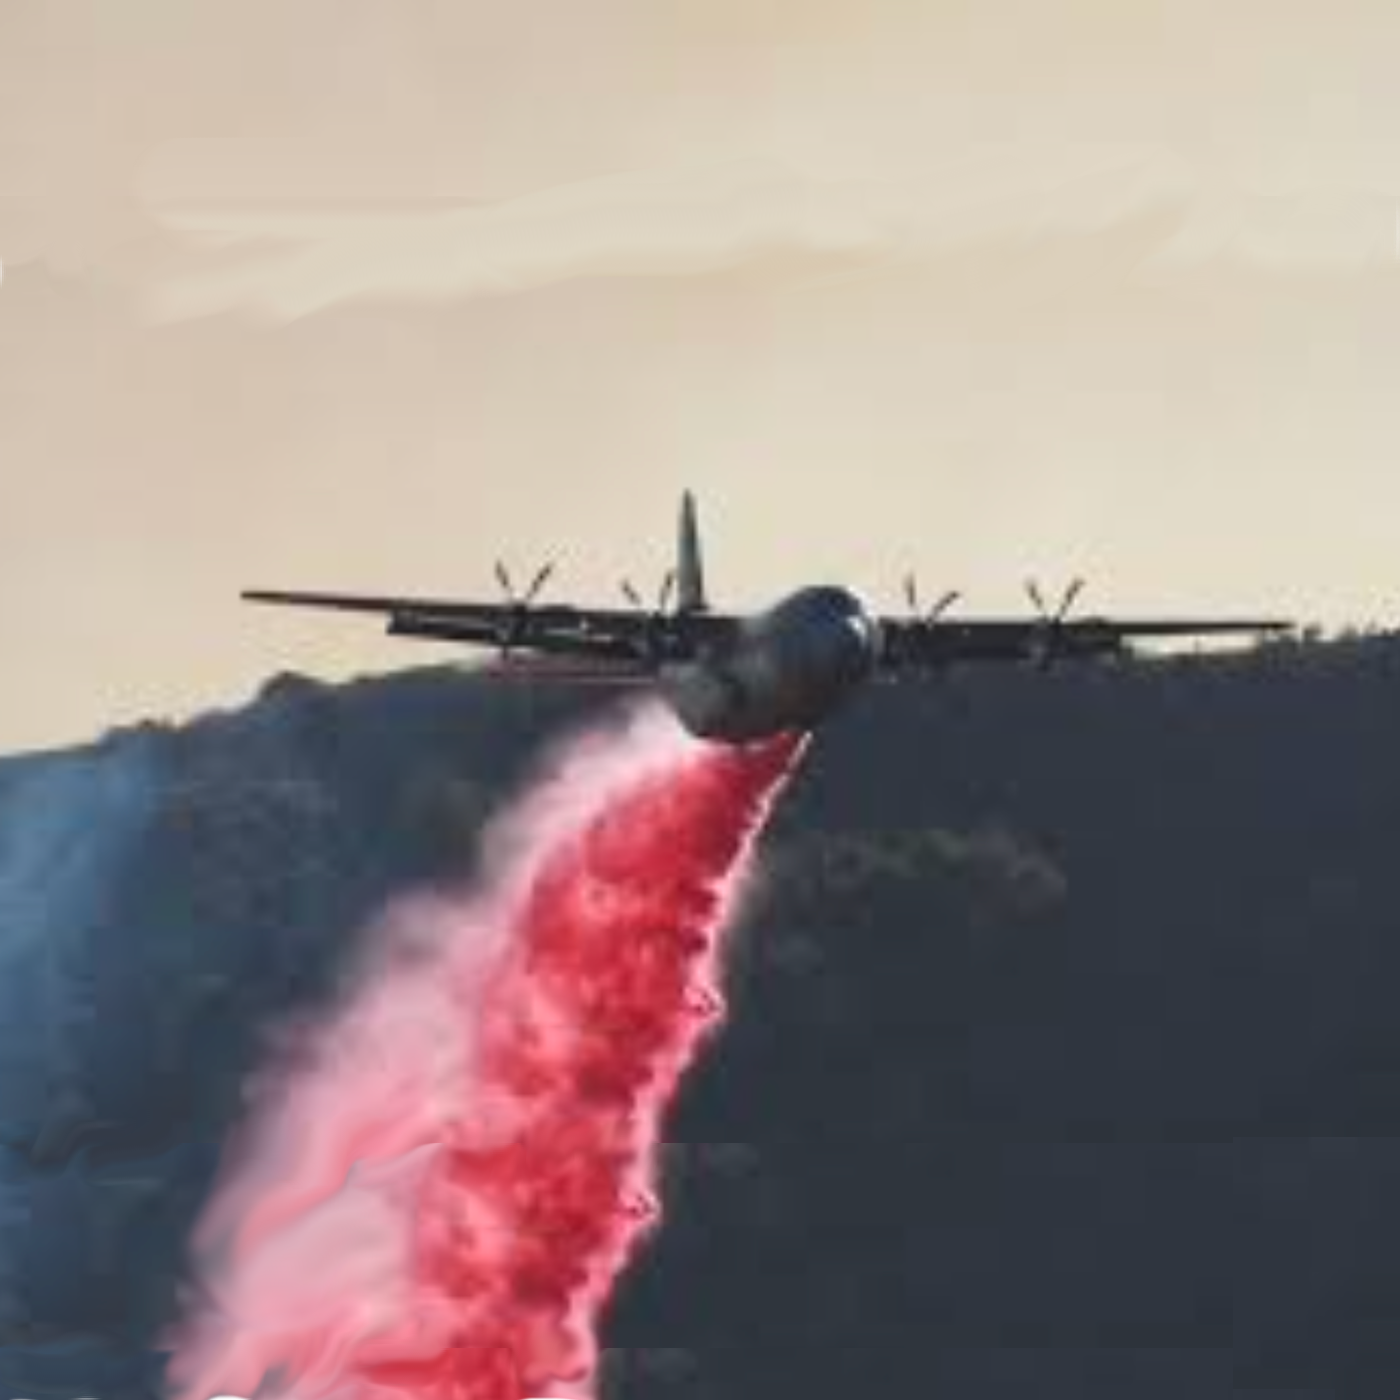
(788, 668)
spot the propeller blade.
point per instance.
(1037, 599)
(1067, 602)
(943, 604)
(911, 593)
(539, 582)
(632, 595)
(668, 585)
(503, 578)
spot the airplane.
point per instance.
(737, 678)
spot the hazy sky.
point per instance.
(358, 293)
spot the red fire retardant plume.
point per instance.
(436, 1188)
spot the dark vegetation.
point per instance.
(1064, 1058)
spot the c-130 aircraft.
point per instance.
(741, 678)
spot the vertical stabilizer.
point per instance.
(690, 566)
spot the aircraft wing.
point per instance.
(912, 643)
(612, 638)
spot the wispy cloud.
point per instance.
(284, 264)
(280, 264)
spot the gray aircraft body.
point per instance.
(736, 678)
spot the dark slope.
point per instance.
(1063, 1059)
(1066, 1059)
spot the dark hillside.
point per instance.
(1063, 1059)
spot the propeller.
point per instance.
(924, 622)
(658, 619)
(1052, 621)
(513, 628)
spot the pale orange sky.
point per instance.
(357, 293)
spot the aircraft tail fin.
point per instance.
(690, 566)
